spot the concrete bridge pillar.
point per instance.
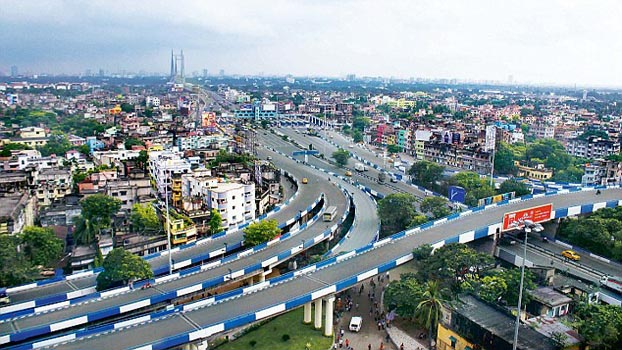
(262, 278)
(318, 313)
(307, 313)
(203, 345)
(328, 325)
(190, 347)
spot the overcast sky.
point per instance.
(541, 41)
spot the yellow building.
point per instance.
(536, 173)
(402, 103)
(446, 339)
(183, 230)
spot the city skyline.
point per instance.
(570, 42)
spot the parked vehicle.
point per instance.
(348, 173)
(571, 254)
(355, 323)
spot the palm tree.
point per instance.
(429, 308)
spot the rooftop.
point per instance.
(501, 324)
(550, 297)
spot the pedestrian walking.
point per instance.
(347, 343)
(381, 346)
(369, 346)
(402, 346)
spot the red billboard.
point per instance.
(536, 214)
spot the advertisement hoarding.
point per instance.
(536, 214)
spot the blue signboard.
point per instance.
(456, 194)
(300, 153)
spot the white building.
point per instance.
(203, 142)
(152, 101)
(110, 157)
(234, 201)
(164, 165)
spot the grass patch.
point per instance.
(272, 335)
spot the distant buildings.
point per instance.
(592, 147)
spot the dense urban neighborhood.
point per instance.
(109, 175)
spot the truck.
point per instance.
(614, 283)
(360, 167)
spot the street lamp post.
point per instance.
(168, 223)
(527, 227)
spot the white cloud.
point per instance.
(553, 41)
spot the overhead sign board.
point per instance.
(536, 214)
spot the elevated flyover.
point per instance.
(320, 281)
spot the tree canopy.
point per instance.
(599, 232)
(397, 212)
(15, 269)
(600, 325)
(121, 266)
(513, 185)
(437, 206)
(215, 222)
(144, 219)
(261, 231)
(426, 174)
(341, 156)
(41, 245)
(97, 211)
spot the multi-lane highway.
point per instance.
(342, 274)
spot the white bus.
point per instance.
(330, 213)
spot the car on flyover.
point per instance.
(305, 180)
(348, 173)
(571, 254)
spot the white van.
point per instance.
(355, 323)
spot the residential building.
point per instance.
(542, 131)
(194, 142)
(539, 172)
(164, 166)
(234, 201)
(54, 184)
(592, 147)
(548, 302)
(17, 211)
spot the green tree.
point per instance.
(393, 149)
(145, 219)
(15, 269)
(357, 136)
(455, 265)
(132, 141)
(600, 325)
(512, 280)
(97, 211)
(41, 245)
(404, 295)
(512, 185)
(429, 309)
(215, 222)
(341, 157)
(397, 212)
(261, 231)
(475, 186)
(264, 123)
(127, 107)
(360, 123)
(57, 143)
(121, 266)
(504, 160)
(437, 206)
(426, 174)
(491, 288)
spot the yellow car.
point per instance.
(305, 180)
(348, 173)
(571, 254)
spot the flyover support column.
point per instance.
(328, 326)
(318, 313)
(307, 313)
(262, 278)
